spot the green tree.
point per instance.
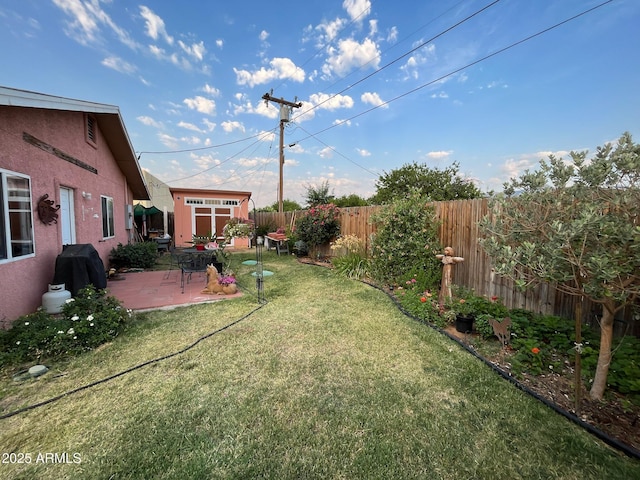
(575, 224)
(318, 195)
(287, 206)
(437, 184)
(406, 241)
(351, 200)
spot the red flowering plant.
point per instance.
(319, 225)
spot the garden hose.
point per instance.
(131, 369)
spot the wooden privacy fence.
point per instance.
(459, 229)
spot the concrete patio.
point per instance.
(153, 290)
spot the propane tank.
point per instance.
(54, 299)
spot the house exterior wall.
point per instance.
(183, 213)
(25, 279)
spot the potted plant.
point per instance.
(237, 228)
(228, 283)
(462, 307)
(199, 241)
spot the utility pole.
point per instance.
(285, 110)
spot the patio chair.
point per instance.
(190, 264)
(174, 261)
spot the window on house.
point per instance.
(16, 219)
(107, 217)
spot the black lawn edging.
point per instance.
(611, 441)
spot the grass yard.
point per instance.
(327, 380)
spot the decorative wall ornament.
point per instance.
(47, 213)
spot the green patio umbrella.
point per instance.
(139, 210)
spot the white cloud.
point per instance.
(281, 68)
(263, 35)
(231, 126)
(373, 27)
(329, 31)
(168, 141)
(254, 161)
(266, 136)
(191, 140)
(259, 109)
(211, 91)
(326, 152)
(204, 161)
(209, 124)
(201, 104)
(342, 122)
(363, 152)
(350, 55)
(195, 50)
(442, 94)
(219, 43)
(86, 18)
(150, 122)
(189, 126)
(357, 9)
(155, 25)
(392, 36)
(373, 98)
(330, 102)
(412, 67)
(439, 155)
(119, 65)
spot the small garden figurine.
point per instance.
(448, 261)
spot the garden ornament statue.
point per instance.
(213, 286)
(448, 260)
(501, 329)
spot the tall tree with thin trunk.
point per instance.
(575, 224)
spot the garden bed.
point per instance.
(616, 416)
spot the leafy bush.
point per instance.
(398, 246)
(87, 321)
(319, 225)
(134, 255)
(351, 258)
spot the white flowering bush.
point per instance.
(237, 227)
(86, 322)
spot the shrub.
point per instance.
(398, 246)
(134, 255)
(86, 322)
(319, 225)
(350, 258)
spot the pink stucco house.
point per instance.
(206, 212)
(59, 151)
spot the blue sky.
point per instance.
(382, 83)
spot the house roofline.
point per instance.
(209, 191)
(109, 120)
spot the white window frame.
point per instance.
(7, 253)
(108, 223)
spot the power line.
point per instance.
(401, 56)
(486, 57)
(261, 135)
(337, 152)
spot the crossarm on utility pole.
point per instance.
(268, 98)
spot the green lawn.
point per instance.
(327, 380)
